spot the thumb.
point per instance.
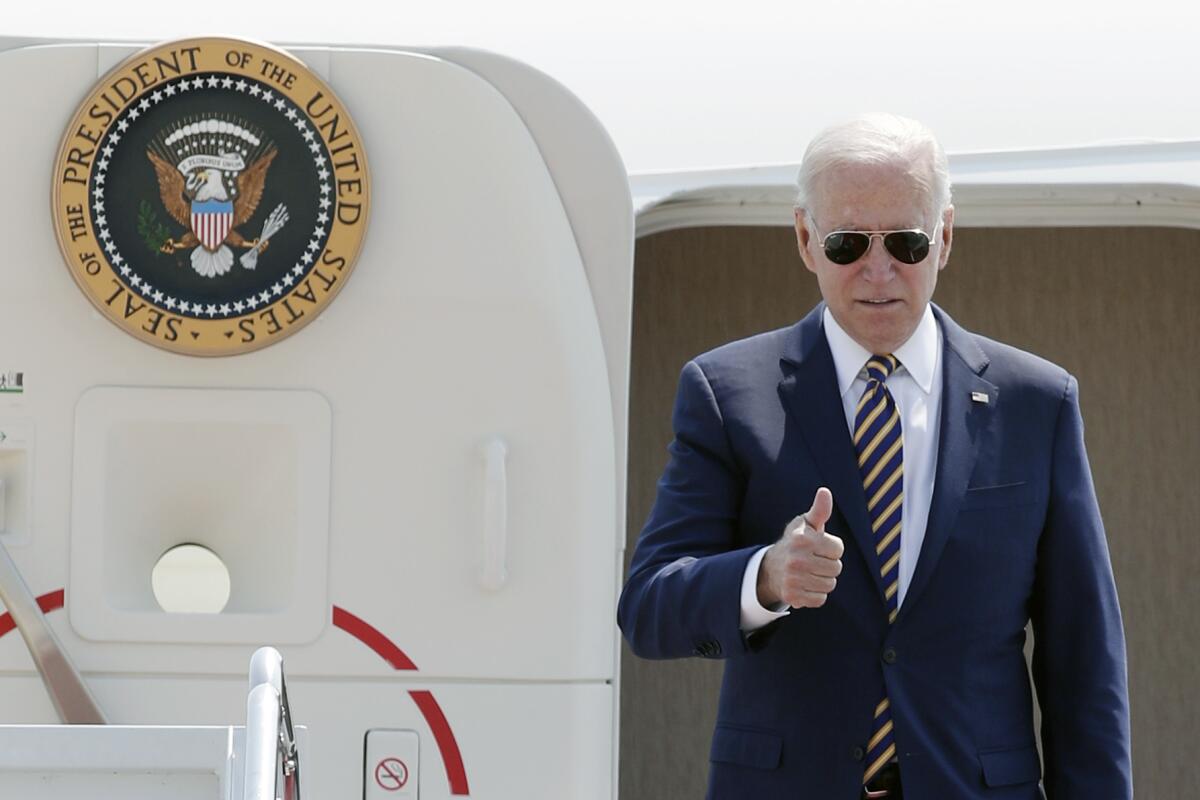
(822, 509)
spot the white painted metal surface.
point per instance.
(491, 303)
(494, 572)
(1128, 184)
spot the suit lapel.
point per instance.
(964, 417)
(809, 390)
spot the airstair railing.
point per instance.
(69, 694)
(272, 758)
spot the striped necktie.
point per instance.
(880, 446)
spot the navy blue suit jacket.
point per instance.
(1014, 535)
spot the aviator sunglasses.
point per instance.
(846, 247)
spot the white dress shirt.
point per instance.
(916, 386)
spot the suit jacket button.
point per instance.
(889, 656)
(858, 754)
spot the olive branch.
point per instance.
(153, 232)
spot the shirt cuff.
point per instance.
(754, 616)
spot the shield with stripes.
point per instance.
(211, 220)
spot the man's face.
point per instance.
(877, 299)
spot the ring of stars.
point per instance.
(140, 285)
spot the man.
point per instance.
(862, 512)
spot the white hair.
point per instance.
(877, 138)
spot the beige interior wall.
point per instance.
(1118, 307)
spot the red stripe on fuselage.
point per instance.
(372, 638)
(456, 773)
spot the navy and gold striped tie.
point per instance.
(880, 445)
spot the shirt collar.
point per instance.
(918, 355)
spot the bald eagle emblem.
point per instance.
(211, 175)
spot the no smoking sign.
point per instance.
(391, 774)
(391, 765)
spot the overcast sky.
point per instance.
(697, 84)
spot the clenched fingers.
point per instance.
(819, 543)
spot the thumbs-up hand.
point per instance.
(801, 569)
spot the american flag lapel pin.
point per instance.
(980, 397)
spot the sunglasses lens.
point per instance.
(909, 247)
(846, 247)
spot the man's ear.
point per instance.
(804, 239)
(947, 236)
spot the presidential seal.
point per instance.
(211, 196)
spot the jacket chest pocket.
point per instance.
(1005, 495)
